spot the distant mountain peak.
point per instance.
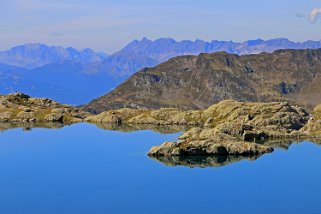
(33, 55)
(144, 39)
(166, 40)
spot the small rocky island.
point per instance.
(21, 108)
(226, 128)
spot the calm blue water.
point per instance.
(82, 169)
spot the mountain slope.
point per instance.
(196, 82)
(9, 76)
(64, 74)
(67, 82)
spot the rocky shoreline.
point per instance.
(227, 128)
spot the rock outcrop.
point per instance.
(226, 128)
(20, 107)
(313, 127)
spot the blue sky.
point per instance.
(107, 25)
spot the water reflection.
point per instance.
(219, 161)
(202, 161)
(286, 144)
(163, 129)
(4, 126)
(188, 161)
(106, 126)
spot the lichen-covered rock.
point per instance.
(117, 116)
(229, 116)
(232, 128)
(54, 117)
(25, 116)
(222, 145)
(231, 125)
(5, 116)
(19, 107)
(313, 127)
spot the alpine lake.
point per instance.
(99, 169)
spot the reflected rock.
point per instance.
(26, 126)
(163, 129)
(279, 144)
(202, 161)
(286, 144)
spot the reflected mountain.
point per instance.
(202, 161)
(4, 126)
(279, 144)
(163, 129)
(26, 126)
(286, 144)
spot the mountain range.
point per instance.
(196, 82)
(77, 76)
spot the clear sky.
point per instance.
(107, 25)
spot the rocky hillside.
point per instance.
(314, 124)
(19, 107)
(196, 82)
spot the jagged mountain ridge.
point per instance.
(196, 82)
(63, 74)
(30, 56)
(130, 58)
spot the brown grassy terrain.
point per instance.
(197, 82)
